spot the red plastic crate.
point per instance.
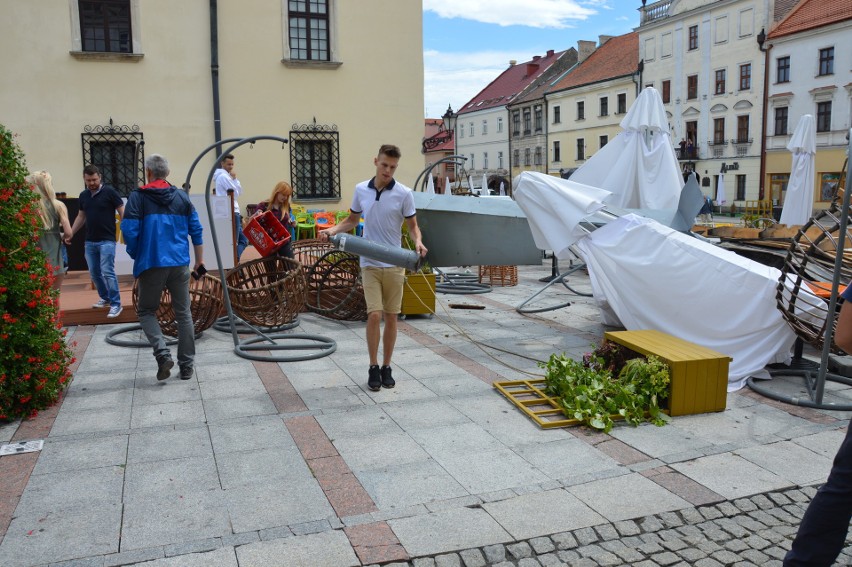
(266, 233)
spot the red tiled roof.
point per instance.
(510, 83)
(616, 58)
(809, 14)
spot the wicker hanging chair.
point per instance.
(810, 264)
(333, 279)
(268, 292)
(205, 304)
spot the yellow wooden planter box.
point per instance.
(418, 294)
(698, 375)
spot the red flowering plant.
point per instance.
(34, 358)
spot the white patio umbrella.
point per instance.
(484, 189)
(430, 186)
(502, 188)
(470, 185)
(639, 166)
(721, 197)
(447, 189)
(799, 201)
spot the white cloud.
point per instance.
(533, 13)
(455, 78)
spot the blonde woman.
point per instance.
(54, 216)
(279, 205)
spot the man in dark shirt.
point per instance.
(98, 205)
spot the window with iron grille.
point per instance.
(745, 77)
(720, 81)
(692, 87)
(557, 152)
(824, 116)
(741, 187)
(527, 156)
(667, 91)
(538, 118)
(782, 70)
(693, 37)
(604, 104)
(537, 156)
(826, 61)
(309, 30)
(581, 149)
(581, 110)
(781, 121)
(118, 152)
(742, 129)
(105, 26)
(718, 130)
(621, 101)
(315, 162)
(516, 123)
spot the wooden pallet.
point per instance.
(530, 398)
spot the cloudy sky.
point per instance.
(468, 43)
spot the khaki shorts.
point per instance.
(383, 288)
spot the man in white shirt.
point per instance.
(225, 178)
(385, 204)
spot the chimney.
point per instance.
(550, 53)
(512, 62)
(602, 39)
(536, 57)
(532, 67)
(584, 49)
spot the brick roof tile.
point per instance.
(809, 14)
(616, 58)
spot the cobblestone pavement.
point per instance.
(739, 533)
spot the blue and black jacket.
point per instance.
(158, 220)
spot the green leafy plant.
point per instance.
(589, 391)
(34, 358)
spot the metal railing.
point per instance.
(655, 11)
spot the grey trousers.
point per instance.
(150, 286)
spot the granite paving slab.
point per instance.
(361, 421)
(179, 477)
(272, 465)
(608, 497)
(224, 557)
(825, 443)
(563, 459)
(260, 507)
(69, 422)
(399, 486)
(489, 471)
(261, 432)
(792, 462)
(730, 475)
(80, 454)
(424, 414)
(72, 490)
(244, 406)
(166, 442)
(149, 391)
(326, 549)
(380, 450)
(448, 530)
(542, 513)
(156, 520)
(188, 412)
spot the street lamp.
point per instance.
(761, 39)
(450, 118)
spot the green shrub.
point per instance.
(34, 358)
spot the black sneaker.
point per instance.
(186, 372)
(387, 379)
(164, 367)
(374, 382)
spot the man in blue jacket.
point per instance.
(158, 221)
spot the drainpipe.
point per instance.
(214, 72)
(762, 181)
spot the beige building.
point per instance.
(587, 104)
(810, 72)
(704, 58)
(92, 81)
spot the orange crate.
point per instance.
(266, 233)
(505, 276)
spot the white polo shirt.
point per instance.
(383, 212)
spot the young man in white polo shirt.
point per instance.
(384, 203)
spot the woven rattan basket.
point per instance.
(269, 292)
(205, 304)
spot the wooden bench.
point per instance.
(699, 375)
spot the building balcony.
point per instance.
(741, 146)
(655, 11)
(687, 154)
(717, 148)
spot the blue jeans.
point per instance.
(822, 532)
(150, 285)
(100, 256)
(242, 241)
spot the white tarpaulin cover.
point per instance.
(555, 208)
(721, 194)
(799, 201)
(649, 276)
(639, 166)
(430, 186)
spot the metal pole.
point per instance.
(457, 160)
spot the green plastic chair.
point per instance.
(341, 216)
(305, 226)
